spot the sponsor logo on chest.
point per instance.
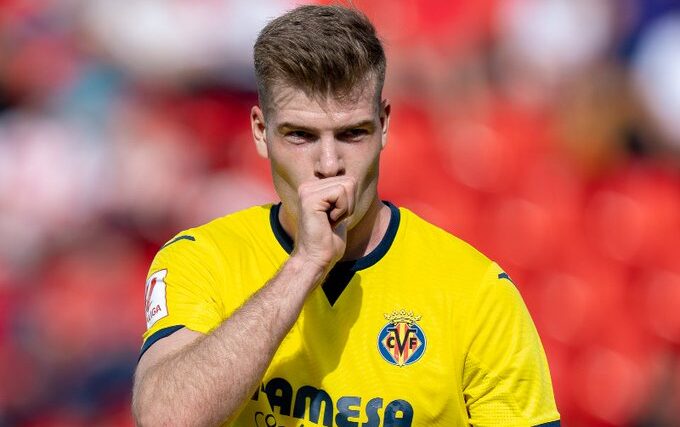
(309, 406)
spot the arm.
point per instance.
(196, 379)
(206, 381)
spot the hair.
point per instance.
(321, 50)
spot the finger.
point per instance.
(333, 196)
(316, 198)
(350, 192)
(337, 197)
(326, 183)
(348, 185)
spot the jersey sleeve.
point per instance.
(182, 288)
(506, 381)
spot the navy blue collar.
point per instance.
(341, 274)
(366, 261)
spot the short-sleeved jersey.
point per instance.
(422, 331)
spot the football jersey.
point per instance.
(422, 331)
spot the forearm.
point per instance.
(206, 382)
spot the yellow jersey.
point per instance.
(422, 331)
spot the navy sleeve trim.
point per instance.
(178, 238)
(165, 332)
(505, 276)
(550, 424)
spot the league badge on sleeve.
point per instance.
(156, 303)
(402, 341)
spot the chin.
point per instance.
(354, 219)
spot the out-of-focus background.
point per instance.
(544, 132)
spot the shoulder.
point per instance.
(440, 246)
(238, 226)
(241, 223)
(236, 230)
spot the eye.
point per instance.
(299, 136)
(353, 135)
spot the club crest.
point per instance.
(401, 341)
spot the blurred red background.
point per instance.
(544, 132)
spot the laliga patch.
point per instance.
(401, 342)
(154, 295)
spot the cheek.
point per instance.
(283, 174)
(366, 168)
(289, 169)
(284, 185)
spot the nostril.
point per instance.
(329, 167)
(327, 174)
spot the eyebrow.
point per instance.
(289, 125)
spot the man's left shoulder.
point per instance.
(440, 244)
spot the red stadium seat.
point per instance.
(572, 305)
(660, 296)
(610, 386)
(635, 217)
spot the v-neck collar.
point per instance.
(343, 271)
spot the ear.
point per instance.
(259, 129)
(385, 109)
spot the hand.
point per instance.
(323, 207)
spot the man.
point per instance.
(332, 308)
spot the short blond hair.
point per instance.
(321, 50)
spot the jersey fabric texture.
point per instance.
(423, 331)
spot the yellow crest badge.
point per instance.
(401, 341)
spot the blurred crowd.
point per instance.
(544, 132)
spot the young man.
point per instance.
(332, 307)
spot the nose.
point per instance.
(329, 162)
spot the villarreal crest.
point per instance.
(401, 342)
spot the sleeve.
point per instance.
(182, 288)
(506, 381)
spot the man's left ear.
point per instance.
(385, 109)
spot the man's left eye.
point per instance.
(353, 134)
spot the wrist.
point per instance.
(306, 268)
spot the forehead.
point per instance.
(292, 105)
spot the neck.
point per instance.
(368, 233)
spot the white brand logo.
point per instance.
(156, 303)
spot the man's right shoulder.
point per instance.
(233, 229)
